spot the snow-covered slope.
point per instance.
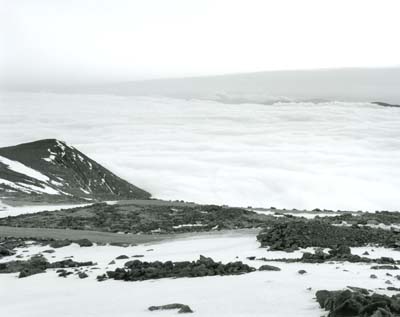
(50, 170)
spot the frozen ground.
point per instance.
(284, 293)
(6, 210)
(332, 155)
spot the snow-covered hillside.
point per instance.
(51, 170)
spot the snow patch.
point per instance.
(37, 189)
(23, 169)
(188, 225)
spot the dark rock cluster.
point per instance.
(181, 308)
(289, 236)
(38, 264)
(367, 218)
(358, 302)
(340, 254)
(5, 252)
(267, 267)
(137, 270)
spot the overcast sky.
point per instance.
(116, 40)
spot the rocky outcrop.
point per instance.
(38, 264)
(137, 270)
(289, 236)
(267, 267)
(358, 302)
(181, 308)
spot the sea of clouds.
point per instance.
(333, 155)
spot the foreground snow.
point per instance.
(284, 293)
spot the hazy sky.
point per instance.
(80, 40)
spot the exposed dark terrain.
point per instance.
(147, 219)
(132, 218)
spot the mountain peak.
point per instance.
(50, 169)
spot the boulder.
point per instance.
(59, 243)
(268, 268)
(181, 308)
(83, 275)
(84, 242)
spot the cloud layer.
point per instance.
(293, 155)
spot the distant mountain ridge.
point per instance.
(51, 171)
(341, 84)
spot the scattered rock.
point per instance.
(5, 252)
(59, 243)
(102, 277)
(37, 264)
(301, 272)
(373, 276)
(84, 242)
(69, 264)
(268, 268)
(182, 308)
(83, 275)
(64, 273)
(122, 257)
(384, 267)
